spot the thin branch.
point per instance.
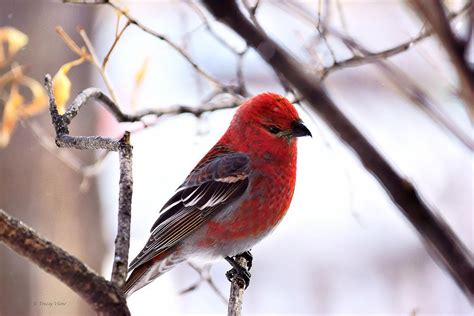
(205, 22)
(98, 65)
(122, 241)
(237, 289)
(433, 230)
(116, 39)
(370, 57)
(97, 94)
(181, 109)
(433, 12)
(411, 90)
(103, 296)
(69, 41)
(164, 38)
(204, 276)
(132, 20)
(63, 139)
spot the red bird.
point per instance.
(233, 198)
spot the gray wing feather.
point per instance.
(209, 188)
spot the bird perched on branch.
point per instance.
(233, 198)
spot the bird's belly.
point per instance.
(243, 225)
(213, 249)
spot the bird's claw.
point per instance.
(239, 273)
(248, 256)
(242, 276)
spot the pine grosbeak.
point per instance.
(234, 197)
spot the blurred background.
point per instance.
(343, 248)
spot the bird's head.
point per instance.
(273, 116)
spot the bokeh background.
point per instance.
(343, 248)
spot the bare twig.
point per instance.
(122, 241)
(411, 90)
(180, 109)
(69, 41)
(237, 289)
(102, 295)
(204, 276)
(433, 12)
(98, 95)
(63, 139)
(219, 87)
(98, 65)
(433, 230)
(370, 57)
(205, 22)
(164, 38)
(116, 39)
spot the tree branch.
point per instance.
(103, 296)
(63, 139)
(370, 57)
(122, 241)
(433, 12)
(237, 289)
(411, 90)
(94, 93)
(375, 56)
(434, 231)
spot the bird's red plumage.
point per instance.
(274, 161)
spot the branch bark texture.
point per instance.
(104, 297)
(237, 289)
(122, 241)
(434, 231)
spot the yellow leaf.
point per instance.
(15, 39)
(62, 90)
(141, 73)
(62, 84)
(10, 115)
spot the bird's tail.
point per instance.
(150, 270)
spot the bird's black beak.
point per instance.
(298, 129)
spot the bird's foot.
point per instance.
(238, 272)
(248, 256)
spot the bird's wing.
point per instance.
(210, 187)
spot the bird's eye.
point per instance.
(273, 129)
